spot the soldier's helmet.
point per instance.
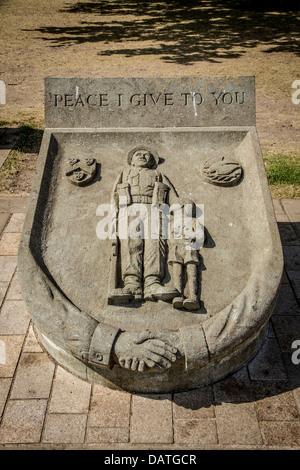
(152, 152)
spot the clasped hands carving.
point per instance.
(141, 351)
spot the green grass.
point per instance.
(283, 169)
(283, 172)
(3, 123)
(29, 139)
(28, 142)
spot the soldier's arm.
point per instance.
(173, 196)
(101, 345)
(114, 196)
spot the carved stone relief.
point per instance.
(81, 171)
(222, 171)
(137, 312)
(143, 259)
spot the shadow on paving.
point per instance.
(181, 32)
(273, 371)
(252, 383)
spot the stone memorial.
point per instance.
(150, 258)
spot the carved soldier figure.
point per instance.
(143, 258)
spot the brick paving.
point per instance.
(42, 406)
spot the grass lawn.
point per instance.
(169, 38)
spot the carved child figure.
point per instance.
(185, 259)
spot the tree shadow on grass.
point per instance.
(181, 32)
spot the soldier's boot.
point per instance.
(132, 286)
(178, 283)
(154, 290)
(178, 302)
(192, 302)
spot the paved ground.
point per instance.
(44, 407)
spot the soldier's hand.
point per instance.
(136, 353)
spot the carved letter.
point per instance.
(57, 98)
(155, 101)
(230, 98)
(89, 102)
(218, 97)
(137, 101)
(185, 98)
(236, 97)
(103, 99)
(169, 99)
(194, 98)
(68, 99)
(79, 101)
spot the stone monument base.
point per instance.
(176, 379)
(138, 310)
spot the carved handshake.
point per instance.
(141, 351)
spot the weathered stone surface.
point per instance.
(238, 423)
(14, 291)
(176, 102)
(10, 348)
(4, 218)
(69, 394)
(195, 404)
(7, 267)
(195, 431)
(145, 414)
(33, 377)
(3, 289)
(268, 365)
(4, 389)
(98, 435)
(286, 303)
(9, 244)
(284, 433)
(31, 343)
(16, 223)
(64, 428)
(109, 408)
(14, 318)
(275, 401)
(23, 421)
(75, 283)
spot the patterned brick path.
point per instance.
(42, 406)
